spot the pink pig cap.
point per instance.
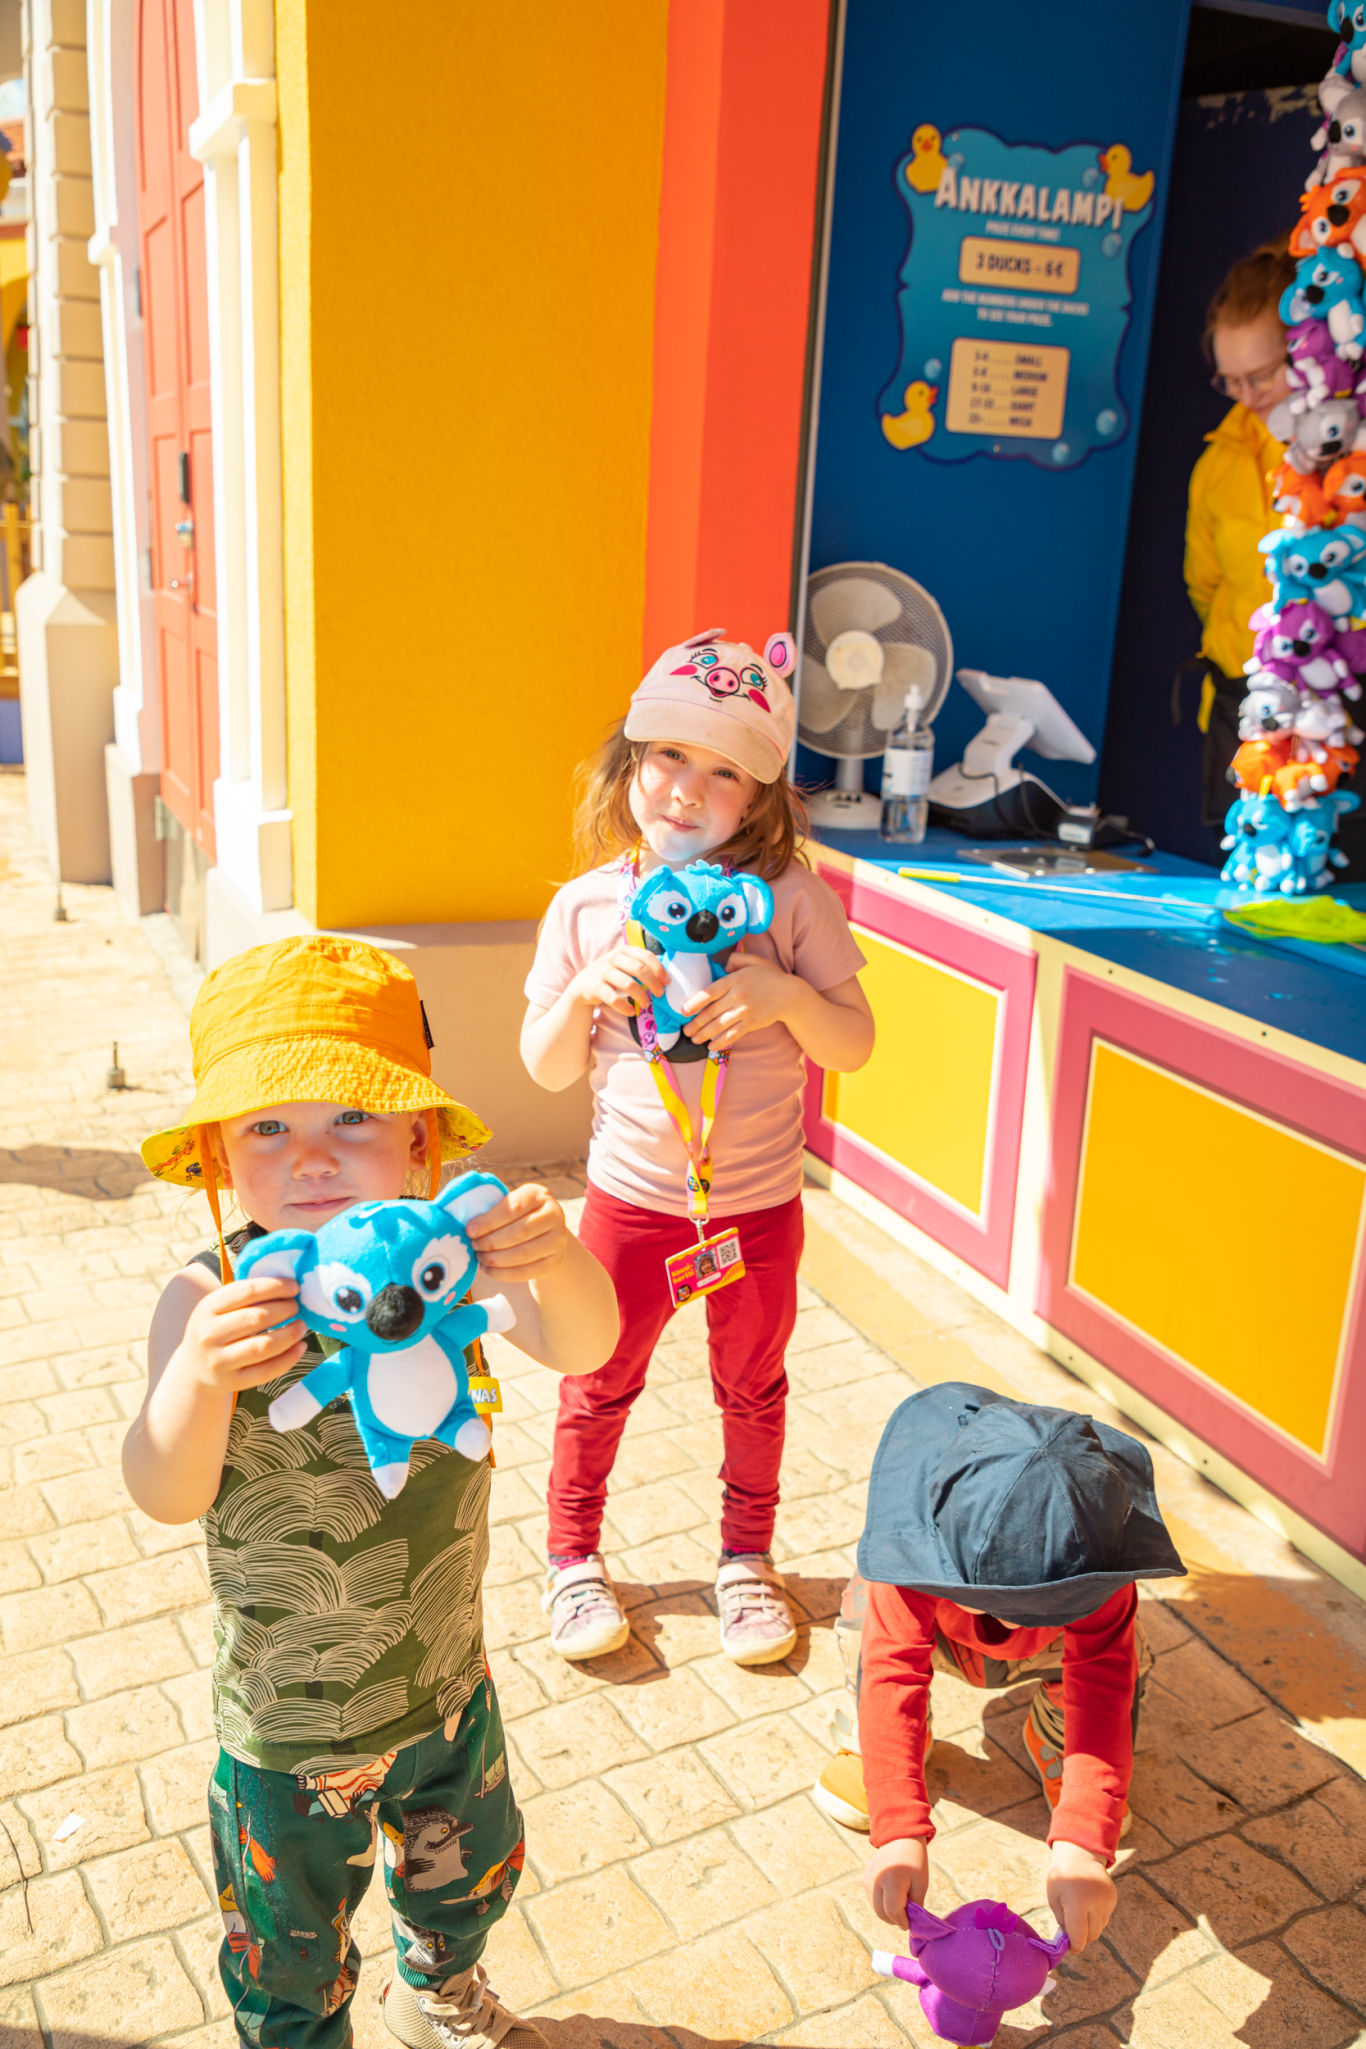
(718, 693)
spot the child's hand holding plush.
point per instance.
(235, 1338)
(896, 1872)
(1081, 1893)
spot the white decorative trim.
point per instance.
(111, 32)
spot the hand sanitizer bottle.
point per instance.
(906, 769)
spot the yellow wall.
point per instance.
(464, 565)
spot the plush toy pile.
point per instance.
(1298, 739)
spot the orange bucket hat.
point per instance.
(315, 1020)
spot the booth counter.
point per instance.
(1137, 1134)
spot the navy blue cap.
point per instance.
(1034, 1515)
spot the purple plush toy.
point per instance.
(1317, 372)
(972, 1967)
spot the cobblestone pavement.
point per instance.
(681, 1888)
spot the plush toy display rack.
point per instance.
(1298, 739)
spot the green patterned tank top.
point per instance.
(344, 1625)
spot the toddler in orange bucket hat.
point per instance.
(351, 1690)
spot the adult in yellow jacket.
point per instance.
(1230, 498)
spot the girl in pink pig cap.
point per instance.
(688, 831)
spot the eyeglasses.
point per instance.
(1254, 382)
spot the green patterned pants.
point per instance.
(294, 1852)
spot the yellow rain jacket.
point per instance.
(1230, 510)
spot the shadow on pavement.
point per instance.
(97, 1175)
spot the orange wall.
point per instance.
(742, 147)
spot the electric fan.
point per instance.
(871, 635)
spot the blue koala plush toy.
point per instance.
(691, 917)
(1327, 286)
(1275, 851)
(1326, 566)
(387, 1277)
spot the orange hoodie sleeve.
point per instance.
(894, 1690)
(1099, 1670)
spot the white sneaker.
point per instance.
(586, 1618)
(751, 1605)
(464, 2013)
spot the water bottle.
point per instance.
(906, 769)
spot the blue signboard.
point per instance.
(1014, 296)
(1022, 547)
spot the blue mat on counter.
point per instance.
(1317, 992)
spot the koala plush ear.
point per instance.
(758, 901)
(780, 652)
(279, 1256)
(470, 1195)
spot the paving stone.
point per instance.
(192, 1697)
(84, 1497)
(1264, 1763)
(175, 1786)
(197, 1945)
(17, 1569)
(591, 1922)
(51, 1458)
(985, 1861)
(702, 1883)
(109, 1805)
(150, 1587)
(1151, 1935)
(718, 1986)
(658, 1510)
(576, 1740)
(19, 2026)
(816, 1957)
(750, 1690)
(796, 1847)
(1323, 1838)
(1260, 1993)
(1182, 1806)
(672, 1796)
(670, 1709)
(35, 1753)
(44, 1926)
(865, 2025)
(88, 1547)
(48, 1615)
(143, 1890)
(761, 1762)
(152, 1650)
(512, 1615)
(23, 1512)
(196, 1626)
(1236, 1891)
(578, 1830)
(124, 1726)
(515, 1962)
(1331, 1944)
(34, 1683)
(144, 1984)
(562, 1679)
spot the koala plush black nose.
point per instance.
(395, 1312)
(1313, 293)
(1335, 131)
(1339, 216)
(1318, 569)
(702, 926)
(1301, 647)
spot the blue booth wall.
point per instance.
(1025, 560)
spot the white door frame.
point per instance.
(234, 137)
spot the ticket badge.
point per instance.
(704, 1268)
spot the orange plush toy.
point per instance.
(1301, 497)
(1329, 214)
(1344, 486)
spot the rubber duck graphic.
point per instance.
(1132, 189)
(928, 162)
(908, 429)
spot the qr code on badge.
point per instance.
(727, 1252)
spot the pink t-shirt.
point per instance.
(635, 1153)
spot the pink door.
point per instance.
(175, 307)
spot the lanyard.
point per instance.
(697, 1148)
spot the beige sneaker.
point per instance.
(464, 2013)
(586, 1618)
(751, 1605)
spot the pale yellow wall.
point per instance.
(465, 567)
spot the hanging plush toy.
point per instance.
(1317, 372)
(1298, 645)
(1342, 137)
(386, 1278)
(691, 917)
(1318, 434)
(1326, 566)
(1327, 287)
(972, 1967)
(1330, 214)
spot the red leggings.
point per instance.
(748, 1326)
